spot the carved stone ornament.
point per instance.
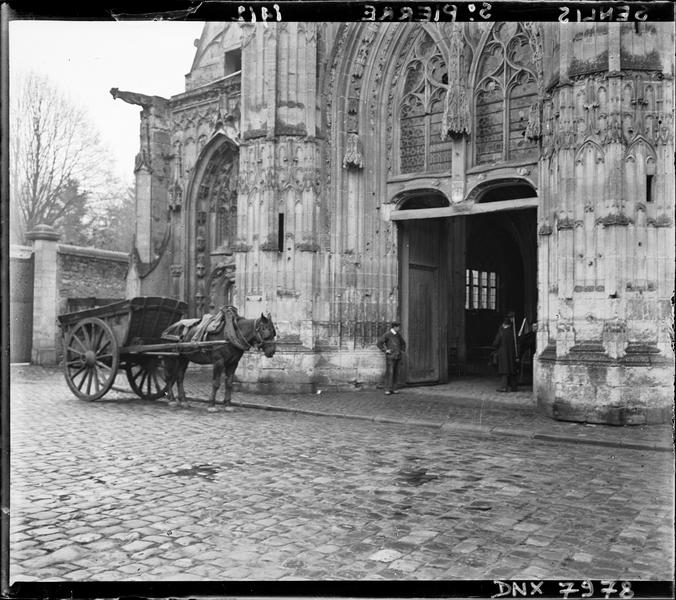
(534, 127)
(310, 30)
(353, 152)
(200, 267)
(139, 99)
(228, 125)
(200, 241)
(142, 161)
(457, 119)
(248, 31)
(534, 33)
(175, 197)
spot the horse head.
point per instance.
(266, 333)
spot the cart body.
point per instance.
(126, 334)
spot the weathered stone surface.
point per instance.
(298, 160)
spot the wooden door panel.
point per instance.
(423, 359)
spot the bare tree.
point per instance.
(52, 147)
(111, 225)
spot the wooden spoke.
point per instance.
(156, 382)
(84, 374)
(102, 348)
(79, 341)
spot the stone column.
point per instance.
(277, 203)
(603, 289)
(45, 297)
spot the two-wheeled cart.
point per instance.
(125, 335)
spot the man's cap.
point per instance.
(396, 323)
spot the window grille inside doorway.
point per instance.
(481, 290)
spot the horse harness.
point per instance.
(224, 320)
(242, 342)
(232, 334)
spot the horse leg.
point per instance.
(227, 392)
(170, 367)
(180, 376)
(216, 381)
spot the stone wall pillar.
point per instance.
(152, 180)
(143, 234)
(45, 299)
(278, 203)
(604, 311)
(151, 171)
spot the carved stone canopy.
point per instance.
(456, 120)
(353, 152)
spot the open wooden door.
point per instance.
(422, 260)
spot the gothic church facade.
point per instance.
(345, 175)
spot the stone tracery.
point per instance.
(422, 144)
(505, 90)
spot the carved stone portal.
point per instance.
(215, 229)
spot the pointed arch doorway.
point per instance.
(211, 226)
(459, 273)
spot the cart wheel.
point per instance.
(91, 358)
(147, 378)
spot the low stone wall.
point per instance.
(89, 273)
(310, 371)
(63, 273)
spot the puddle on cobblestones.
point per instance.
(415, 477)
(204, 471)
(478, 506)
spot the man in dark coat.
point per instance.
(505, 349)
(393, 345)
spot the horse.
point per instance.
(252, 333)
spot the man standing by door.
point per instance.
(393, 345)
(505, 348)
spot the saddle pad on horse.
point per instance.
(209, 324)
(196, 330)
(177, 332)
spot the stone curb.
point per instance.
(466, 427)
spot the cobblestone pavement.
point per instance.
(123, 489)
(469, 404)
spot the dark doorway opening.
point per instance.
(458, 276)
(500, 276)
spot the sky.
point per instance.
(85, 59)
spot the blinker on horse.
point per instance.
(234, 336)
